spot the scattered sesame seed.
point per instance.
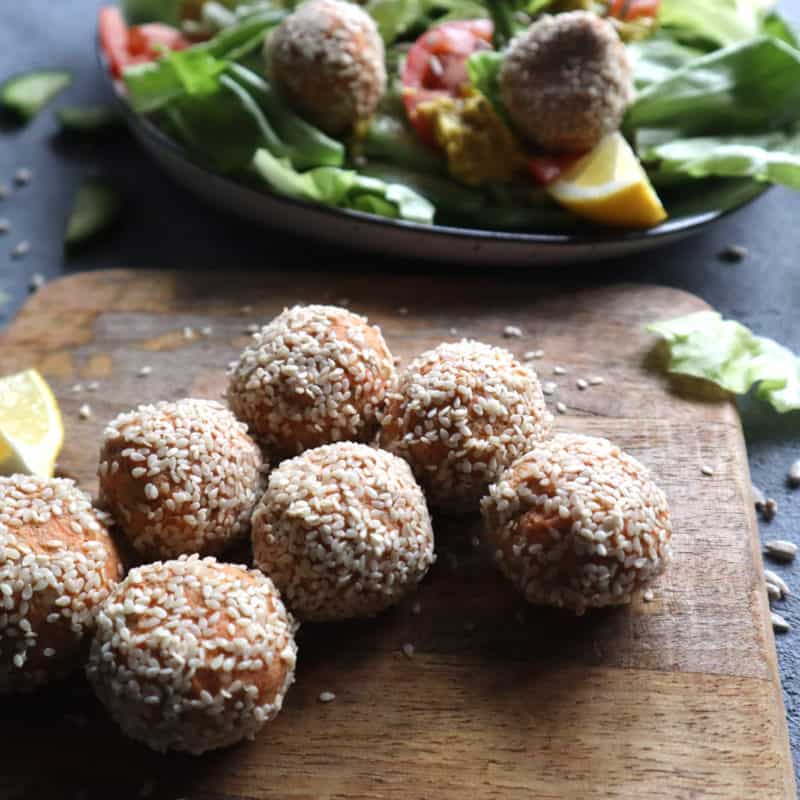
(246, 309)
(559, 370)
(706, 470)
(454, 331)
(5, 226)
(578, 557)
(512, 332)
(145, 371)
(475, 541)
(794, 475)
(781, 549)
(596, 380)
(758, 497)
(23, 176)
(533, 355)
(734, 253)
(326, 697)
(21, 249)
(408, 650)
(343, 301)
(416, 608)
(549, 388)
(402, 311)
(582, 384)
(770, 509)
(648, 596)
(773, 591)
(85, 411)
(779, 624)
(77, 387)
(773, 577)
(561, 408)
(92, 386)
(37, 281)
(252, 328)
(188, 333)
(207, 330)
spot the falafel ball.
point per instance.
(314, 375)
(327, 59)
(577, 523)
(344, 532)
(57, 565)
(192, 654)
(567, 81)
(180, 477)
(463, 413)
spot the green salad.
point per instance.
(538, 115)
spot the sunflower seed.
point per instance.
(779, 624)
(145, 371)
(326, 697)
(85, 411)
(770, 509)
(773, 577)
(582, 384)
(548, 387)
(596, 380)
(512, 332)
(706, 470)
(794, 474)
(408, 650)
(758, 497)
(781, 549)
(561, 408)
(558, 370)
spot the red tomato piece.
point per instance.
(126, 46)
(629, 10)
(436, 66)
(547, 169)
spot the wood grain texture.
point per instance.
(676, 698)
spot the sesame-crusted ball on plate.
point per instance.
(314, 375)
(57, 565)
(567, 81)
(180, 477)
(463, 412)
(327, 58)
(193, 654)
(577, 523)
(344, 532)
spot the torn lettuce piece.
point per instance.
(343, 188)
(704, 345)
(719, 22)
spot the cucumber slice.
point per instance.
(27, 94)
(97, 205)
(89, 119)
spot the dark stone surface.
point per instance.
(164, 226)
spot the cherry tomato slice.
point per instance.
(436, 66)
(126, 46)
(628, 10)
(547, 169)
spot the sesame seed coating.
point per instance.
(57, 565)
(180, 477)
(327, 58)
(567, 81)
(463, 413)
(344, 532)
(314, 375)
(577, 523)
(193, 654)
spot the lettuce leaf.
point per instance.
(772, 157)
(483, 69)
(657, 57)
(704, 345)
(343, 188)
(751, 87)
(720, 22)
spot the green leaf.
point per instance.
(97, 204)
(342, 188)
(703, 345)
(27, 94)
(656, 58)
(89, 119)
(720, 22)
(395, 17)
(138, 11)
(772, 157)
(483, 69)
(751, 87)
(388, 138)
(775, 25)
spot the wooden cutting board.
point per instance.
(675, 698)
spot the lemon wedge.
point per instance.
(609, 186)
(31, 431)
